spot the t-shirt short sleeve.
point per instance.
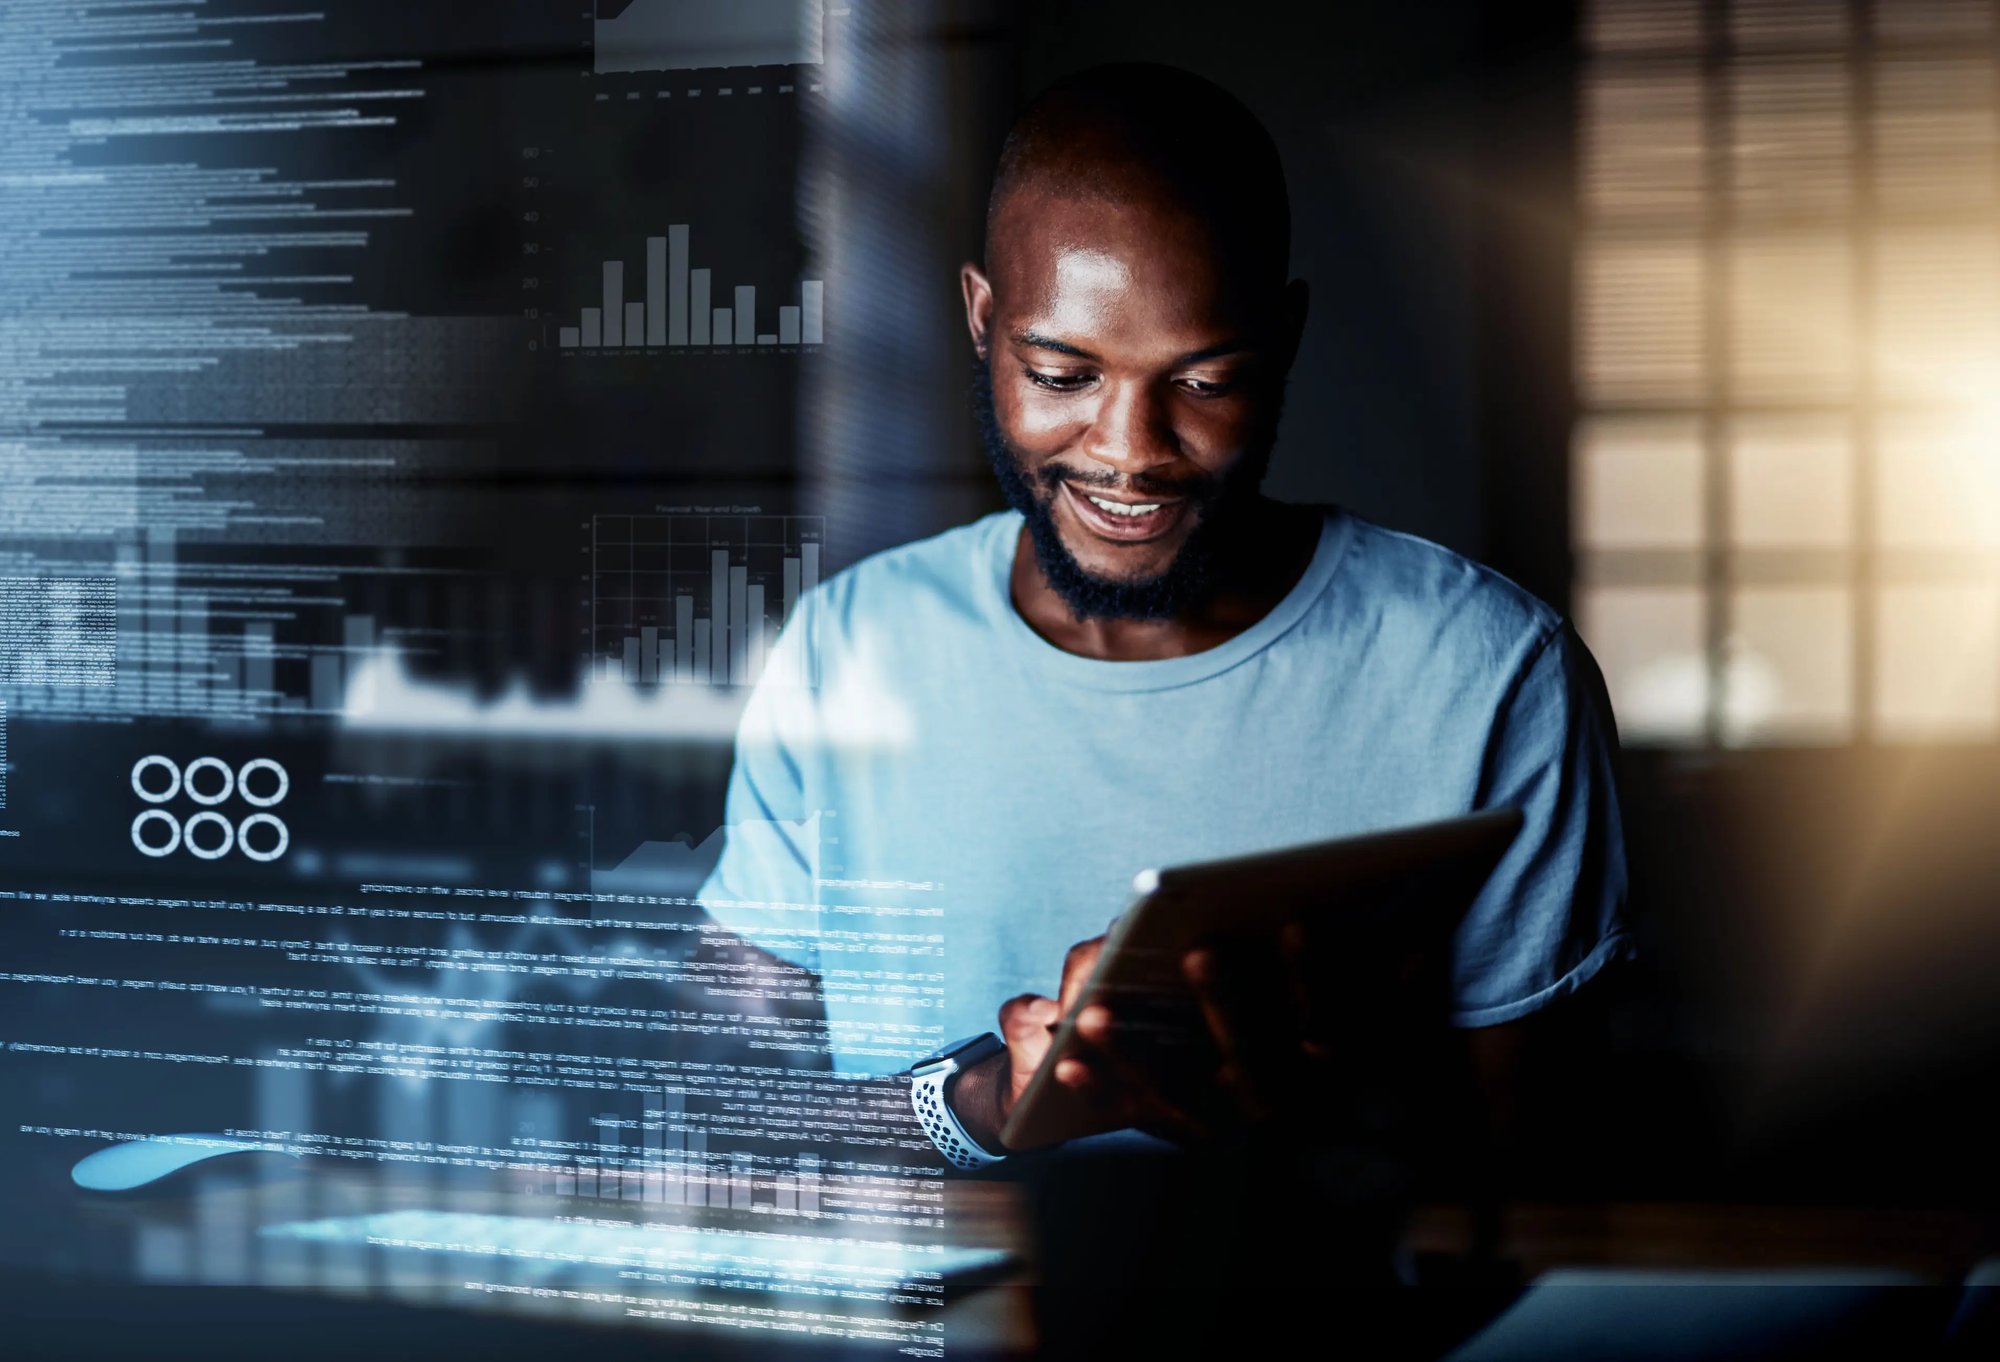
(764, 887)
(1553, 913)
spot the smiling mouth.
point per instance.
(1126, 522)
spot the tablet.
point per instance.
(1389, 901)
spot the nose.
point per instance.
(1131, 432)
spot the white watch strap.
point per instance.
(938, 1121)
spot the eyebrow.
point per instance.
(1034, 340)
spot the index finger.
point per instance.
(1118, 1088)
(1204, 973)
(1077, 965)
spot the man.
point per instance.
(1145, 661)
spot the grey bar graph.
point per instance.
(808, 579)
(326, 696)
(698, 288)
(614, 302)
(676, 35)
(656, 291)
(718, 614)
(194, 650)
(754, 570)
(812, 311)
(677, 285)
(258, 657)
(808, 1165)
(128, 565)
(652, 1131)
(357, 636)
(161, 589)
(358, 633)
(678, 306)
(753, 620)
(739, 625)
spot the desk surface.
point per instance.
(1937, 1244)
(209, 1239)
(704, 1276)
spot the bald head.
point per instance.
(1152, 138)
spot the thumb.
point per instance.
(1025, 1021)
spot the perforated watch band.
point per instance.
(928, 1081)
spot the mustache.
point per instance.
(1200, 488)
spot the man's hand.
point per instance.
(1258, 1022)
(984, 1097)
(1273, 1071)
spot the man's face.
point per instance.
(1128, 395)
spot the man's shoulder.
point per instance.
(949, 574)
(1436, 597)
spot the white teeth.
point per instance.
(1120, 508)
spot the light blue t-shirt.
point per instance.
(956, 801)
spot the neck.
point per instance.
(1262, 562)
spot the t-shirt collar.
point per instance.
(1003, 532)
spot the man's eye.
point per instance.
(1208, 387)
(1061, 383)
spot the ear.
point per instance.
(978, 291)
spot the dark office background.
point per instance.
(1809, 1015)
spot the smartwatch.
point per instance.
(930, 1089)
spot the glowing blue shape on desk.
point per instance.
(136, 1163)
(740, 1258)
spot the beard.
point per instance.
(1221, 506)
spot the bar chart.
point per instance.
(664, 1158)
(687, 598)
(162, 631)
(675, 305)
(685, 35)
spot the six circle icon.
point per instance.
(173, 842)
(145, 764)
(209, 764)
(257, 820)
(219, 849)
(207, 834)
(263, 764)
